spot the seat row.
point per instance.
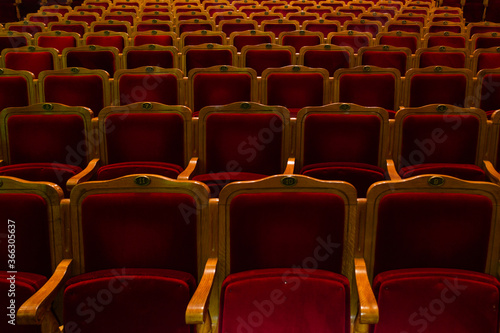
(287, 251)
(247, 141)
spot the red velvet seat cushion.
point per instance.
(440, 88)
(116, 170)
(410, 42)
(356, 42)
(262, 59)
(450, 59)
(32, 236)
(13, 91)
(115, 41)
(299, 41)
(57, 42)
(164, 40)
(202, 58)
(202, 39)
(386, 60)
(368, 90)
(161, 88)
(450, 41)
(360, 175)
(242, 40)
(34, 62)
(330, 60)
(285, 301)
(140, 58)
(49, 172)
(217, 180)
(104, 60)
(78, 28)
(439, 230)
(487, 60)
(141, 26)
(462, 171)
(26, 284)
(128, 300)
(309, 225)
(490, 93)
(436, 300)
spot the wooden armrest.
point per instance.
(85, 175)
(197, 310)
(391, 170)
(491, 172)
(190, 169)
(368, 308)
(33, 311)
(290, 166)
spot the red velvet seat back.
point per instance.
(393, 59)
(488, 60)
(160, 298)
(78, 28)
(242, 40)
(152, 137)
(325, 28)
(295, 90)
(13, 91)
(368, 90)
(437, 300)
(329, 59)
(279, 300)
(159, 58)
(404, 27)
(110, 27)
(139, 230)
(278, 28)
(34, 62)
(261, 59)
(12, 42)
(31, 29)
(229, 28)
(84, 18)
(441, 28)
(47, 139)
(161, 88)
(364, 27)
(186, 27)
(202, 39)
(45, 19)
(284, 230)
(221, 89)
(75, 90)
(356, 42)
(104, 60)
(482, 29)
(439, 139)
(57, 42)
(410, 42)
(30, 226)
(259, 18)
(164, 40)
(116, 41)
(298, 41)
(341, 138)
(126, 18)
(450, 59)
(202, 58)
(229, 143)
(219, 18)
(487, 42)
(438, 88)
(490, 94)
(441, 230)
(152, 26)
(450, 41)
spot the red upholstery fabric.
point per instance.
(78, 28)
(330, 60)
(207, 58)
(360, 175)
(411, 226)
(110, 27)
(488, 60)
(301, 18)
(278, 28)
(487, 42)
(12, 42)
(126, 18)
(161, 297)
(310, 228)
(462, 171)
(244, 143)
(141, 26)
(140, 58)
(262, 59)
(436, 300)
(187, 27)
(368, 90)
(31, 29)
(128, 168)
(483, 28)
(438, 88)
(441, 28)
(229, 28)
(78, 90)
(492, 12)
(26, 285)
(282, 300)
(34, 62)
(299, 41)
(161, 88)
(92, 60)
(164, 40)
(295, 90)
(29, 213)
(403, 41)
(47, 138)
(356, 42)
(221, 89)
(13, 91)
(450, 41)
(116, 41)
(242, 40)
(84, 18)
(386, 60)
(217, 180)
(450, 59)
(439, 139)
(57, 42)
(140, 230)
(364, 27)
(44, 19)
(325, 28)
(404, 27)
(262, 17)
(202, 39)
